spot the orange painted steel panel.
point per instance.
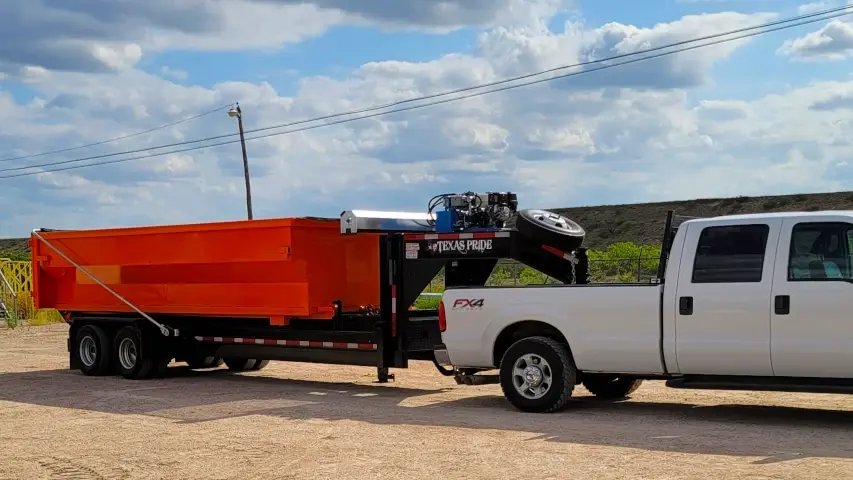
(290, 267)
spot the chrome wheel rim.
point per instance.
(532, 376)
(88, 351)
(127, 353)
(551, 220)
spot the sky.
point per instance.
(765, 115)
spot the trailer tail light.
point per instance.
(442, 317)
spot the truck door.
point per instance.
(722, 304)
(813, 299)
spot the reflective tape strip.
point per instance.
(289, 343)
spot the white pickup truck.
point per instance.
(752, 302)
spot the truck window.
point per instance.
(820, 251)
(730, 254)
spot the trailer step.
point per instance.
(763, 384)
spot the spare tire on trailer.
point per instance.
(550, 229)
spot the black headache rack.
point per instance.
(673, 221)
(390, 334)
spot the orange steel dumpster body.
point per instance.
(277, 269)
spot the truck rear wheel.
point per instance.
(240, 364)
(611, 387)
(198, 363)
(260, 364)
(132, 360)
(537, 374)
(94, 350)
(550, 229)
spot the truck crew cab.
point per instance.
(756, 302)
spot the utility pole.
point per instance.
(237, 112)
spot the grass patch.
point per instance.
(47, 316)
(18, 308)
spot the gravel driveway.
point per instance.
(317, 421)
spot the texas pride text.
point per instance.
(462, 246)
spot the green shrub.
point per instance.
(619, 263)
(15, 255)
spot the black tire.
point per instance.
(611, 387)
(563, 374)
(240, 364)
(134, 361)
(260, 364)
(550, 229)
(98, 360)
(199, 363)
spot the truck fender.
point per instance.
(502, 338)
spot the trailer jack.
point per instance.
(382, 375)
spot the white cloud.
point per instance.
(834, 41)
(611, 136)
(817, 6)
(110, 35)
(176, 73)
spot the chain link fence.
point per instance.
(601, 270)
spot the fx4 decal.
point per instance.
(468, 304)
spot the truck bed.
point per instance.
(624, 332)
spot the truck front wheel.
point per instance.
(537, 375)
(610, 387)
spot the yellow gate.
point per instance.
(18, 276)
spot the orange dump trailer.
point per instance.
(243, 293)
(276, 269)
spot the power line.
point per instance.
(414, 107)
(823, 14)
(116, 139)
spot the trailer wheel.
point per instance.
(199, 363)
(610, 387)
(537, 374)
(94, 350)
(132, 361)
(550, 229)
(240, 364)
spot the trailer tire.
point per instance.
(543, 360)
(200, 363)
(550, 229)
(133, 360)
(611, 387)
(94, 350)
(240, 364)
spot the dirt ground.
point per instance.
(318, 421)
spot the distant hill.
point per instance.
(16, 248)
(640, 223)
(643, 223)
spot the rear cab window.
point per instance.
(730, 254)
